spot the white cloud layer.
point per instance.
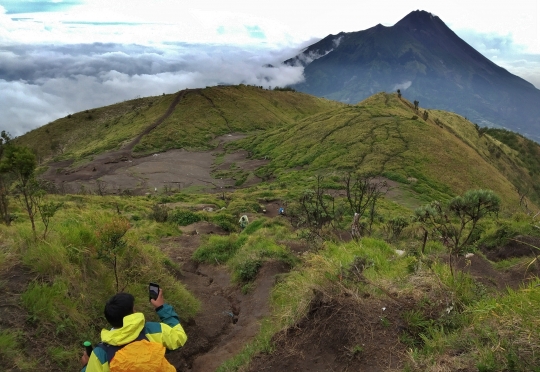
(45, 83)
(402, 86)
(63, 56)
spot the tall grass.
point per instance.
(498, 334)
(71, 284)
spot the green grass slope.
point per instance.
(200, 116)
(515, 156)
(91, 132)
(57, 285)
(526, 153)
(211, 112)
(439, 157)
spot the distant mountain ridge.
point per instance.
(426, 60)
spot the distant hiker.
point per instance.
(281, 211)
(243, 221)
(355, 227)
(133, 344)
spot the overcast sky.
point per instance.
(63, 56)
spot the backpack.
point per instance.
(140, 355)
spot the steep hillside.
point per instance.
(439, 157)
(189, 119)
(426, 60)
(93, 131)
(436, 158)
(307, 290)
(207, 113)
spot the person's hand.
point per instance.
(84, 359)
(159, 301)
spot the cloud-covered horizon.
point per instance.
(63, 56)
(37, 6)
(43, 83)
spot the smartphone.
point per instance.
(153, 290)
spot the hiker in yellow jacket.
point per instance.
(133, 344)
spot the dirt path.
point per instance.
(228, 319)
(107, 162)
(160, 120)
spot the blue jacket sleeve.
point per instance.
(97, 362)
(169, 332)
(168, 315)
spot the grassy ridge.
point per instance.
(382, 134)
(91, 132)
(444, 155)
(524, 152)
(211, 112)
(515, 156)
(435, 158)
(200, 116)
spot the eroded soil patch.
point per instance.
(228, 318)
(520, 246)
(119, 172)
(13, 317)
(339, 334)
(483, 271)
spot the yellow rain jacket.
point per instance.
(150, 353)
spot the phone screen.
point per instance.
(153, 290)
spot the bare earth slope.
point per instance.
(228, 318)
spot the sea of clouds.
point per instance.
(51, 66)
(41, 83)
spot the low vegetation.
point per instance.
(89, 253)
(381, 207)
(195, 121)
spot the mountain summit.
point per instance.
(428, 62)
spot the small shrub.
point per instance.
(500, 236)
(166, 199)
(184, 217)
(240, 181)
(247, 271)
(254, 226)
(394, 227)
(8, 344)
(284, 89)
(112, 244)
(160, 213)
(226, 221)
(218, 249)
(395, 177)
(246, 288)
